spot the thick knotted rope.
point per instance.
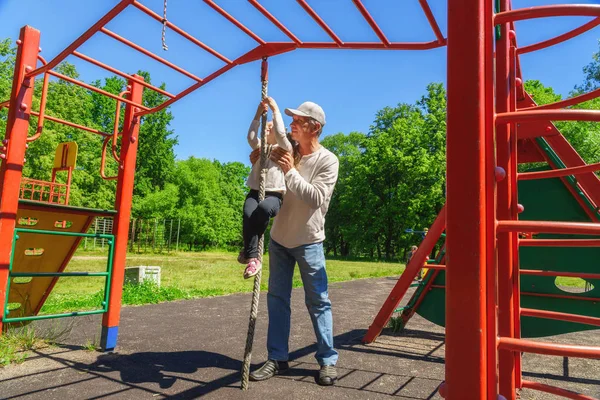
(264, 156)
(164, 27)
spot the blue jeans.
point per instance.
(311, 261)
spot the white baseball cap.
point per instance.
(310, 110)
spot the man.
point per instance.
(297, 236)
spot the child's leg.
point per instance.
(250, 238)
(267, 209)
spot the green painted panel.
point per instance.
(544, 200)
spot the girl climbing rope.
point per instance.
(257, 214)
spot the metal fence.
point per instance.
(154, 235)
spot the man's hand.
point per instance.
(284, 158)
(254, 156)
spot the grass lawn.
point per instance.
(185, 275)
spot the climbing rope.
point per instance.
(264, 156)
(164, 27)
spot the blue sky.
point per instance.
(350, 85)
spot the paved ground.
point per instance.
(191, 349)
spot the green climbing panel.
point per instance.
(544, 200)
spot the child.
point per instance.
(257, 214)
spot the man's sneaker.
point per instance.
(269, 369)
(327, 375)
(254, 266)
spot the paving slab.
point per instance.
(194, 349)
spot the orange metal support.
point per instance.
(129, 144)
(432, 21)
(320, 22)
(505, 74)
(560, 242)
(403, 284)
(366, 15)
(561, 38)
(121, 74)
(554, 390)
(15, 141)
(149, 54)
(180, 31)
(549, 349)
(82, 39)
(467, 213)
(581, 319)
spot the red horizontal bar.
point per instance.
(435, 266)
(320, 21)
(188, 90)
(180, 31)
(571, 10)
(275, 21)
(559, 242)
(82, 39)
(561, 296)
(559, 39)
(123, 74)
(550, 349)
(582, 228)
(554, 390)
(367, 16)
(40, 182)
(556, 173)
(234, 21)
(432, 21)
(580, 319)
(95, 89)
(71, 124)
(544, 115)
(4, 104)
(567, 102)
(150, 54)
(372, 45)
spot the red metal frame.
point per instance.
(15, 142)
(483, 308)
(129, 145)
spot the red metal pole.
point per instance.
(491, 163)
(466, 298)
(366, 15)
(67, 123)
(560, 242)
(150, 54)
(559, 39)
(15, 141)
(180, 31)
(515, 92)
(576, 228)
(580, 319)
(83, 38)
(320, 22)
(432, 21)
(121, 73)
(129, 144)
(567, 394)
(504, 82)
(557, 173)
(403, 284)
(549, 349)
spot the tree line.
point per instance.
(391, 178)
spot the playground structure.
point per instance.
(492, 124)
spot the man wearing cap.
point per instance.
(297, 236)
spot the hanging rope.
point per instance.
(264, 154)
(164, 27)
